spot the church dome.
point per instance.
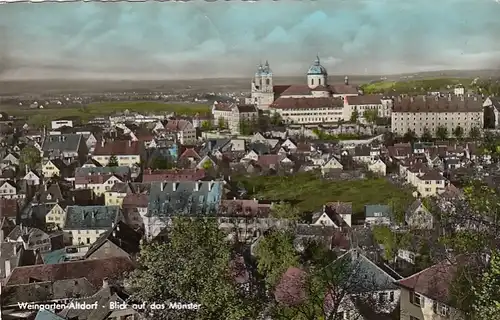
(317, 68)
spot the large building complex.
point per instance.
(422, 113)
(315, 101)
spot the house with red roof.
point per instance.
(427, 294)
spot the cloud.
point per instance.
(223, 39)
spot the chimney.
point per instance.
(1, 236)
(114, 234)
(197, 186)
(7, 268)
(130, 143)
(112, 225)
(210, 185)
(346, 80)
(14, 247)
(411, 99)
(174, 186)
(26, 168)
(102, 143)
(161, 186)
(105, 283)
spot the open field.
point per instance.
(205, 85)
(312, 192)
(416, 86)
(43, 116)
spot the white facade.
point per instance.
(56, 124)
(262, 94)
(429, 113)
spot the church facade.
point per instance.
(315, 101)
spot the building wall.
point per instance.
(417, 121)
(56, 216)
(425, 312)
(430, 188)
(123, 160)
(310, 115)
(114, 198)
(83, 236)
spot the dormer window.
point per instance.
(49, 196)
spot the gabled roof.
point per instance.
(122, 236)
(94, 270)
(62, 142)
(118, 148)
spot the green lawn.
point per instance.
(85, 113)
(414, 86)
(312, 192)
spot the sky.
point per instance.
(175, 40)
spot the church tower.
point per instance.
(317, 75)
(262, 87)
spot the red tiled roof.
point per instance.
(178, 125)
(297, 90)
(223, 106)
(433, 282)
(267, 160)
(135, 200)
(343, 89)
(364, 99)
(173, 175)
(94, 270)
(437, 104)
(307, 103)
(190, 153)
(118, 147)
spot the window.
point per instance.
(391, 296)
(440, 309)
(416, 299)
(88, 240)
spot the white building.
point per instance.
(316, 101)
(232, 114)
(362, 103)
(56, 124)
(426, 112)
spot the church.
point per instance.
(315, 101)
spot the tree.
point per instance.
(207, 165)
(474, 133)
(113, 161)
(354, 116)
(206, 125)
(30, 157)
(221, 123)
(162, 163)
(458, 132)
(276, 253)
(276, 119)
(426, 136)
(284, 210)
(487, 296)
(409, 136)
(442, 133)
(370, 116)
(245, 127)
(195, 265)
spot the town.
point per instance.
(304, 201)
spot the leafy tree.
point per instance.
(458, 132)
(206, 125)
(29, 156)
(442, 133)
(162, 163)
(221, 123)
(207, 165)
(354, 116)
(410, 136)
(475, 133)
(276, 119)
(113, 161)
(276, 253)
(384, 236)
(426, 136)
(284, 210)
(193, 266)
(487, 296)
(370, 116)
(246, 127)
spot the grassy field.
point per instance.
(414, 86)
(312, 192)
(85, 113)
